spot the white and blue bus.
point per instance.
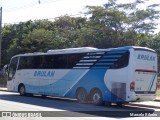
(115, 75)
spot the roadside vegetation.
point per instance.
(111, 25)
(158, 87)
(158, 93)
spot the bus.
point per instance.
(115, 75)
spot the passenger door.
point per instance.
(11, 74)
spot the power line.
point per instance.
(54, 18)
(31, 4)
(0, 32)
(39, 2)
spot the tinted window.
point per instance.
(50, 61)
(73, 59)
(12, 68)
(121, 62)
(60, 61)
(29, 62)
(22, 62)
(36, 62)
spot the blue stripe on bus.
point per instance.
(103, 67)
(94, 78)
(152, 81)
(58, 88)
(108, 60)
(112, 56)
(104, 63)
(99, 53)
(116, 52)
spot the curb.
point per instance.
(142, 105)
(157, 100)
(3, 89)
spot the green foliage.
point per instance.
(158, 92)
(112, 25)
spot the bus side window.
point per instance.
(61, 61)
(36, 62)
(43, 62)
(22, 63)
(49, 61)
(122, 62)
(73, 59)
(12, 68)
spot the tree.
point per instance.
(16, 37)
(67, 30)
(112, 25)
(154, 43)
(39, 40)
(8, 34)
(120, 24)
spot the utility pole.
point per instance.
(39, 2)
(0, 35)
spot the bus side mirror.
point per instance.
(5, 68)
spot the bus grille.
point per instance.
(118, 91)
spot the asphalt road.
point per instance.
(37, 106)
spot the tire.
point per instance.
(44, 96)
(22, 90)
(96, 97)
(119, 104)
(108, 103)
(81, 95)
(29, 94)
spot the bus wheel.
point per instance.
(22, 90)
(96, 97)
(81, 95)
(119, 104)
(44, 96)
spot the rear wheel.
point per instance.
(81, 95)
(22, 90)
(119, 104)
(29, 94)
(96, 97)
(44, 96)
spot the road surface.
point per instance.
(37, 107)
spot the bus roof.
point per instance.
(83, 49)
(72, 50)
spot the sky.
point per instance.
(23, 10)
(15, 11)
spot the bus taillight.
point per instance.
(132, 86)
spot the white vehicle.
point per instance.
(116, 75)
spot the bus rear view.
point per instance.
(145, 73)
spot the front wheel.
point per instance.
(22, 90)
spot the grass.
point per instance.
(158, 89)
(158, 92)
